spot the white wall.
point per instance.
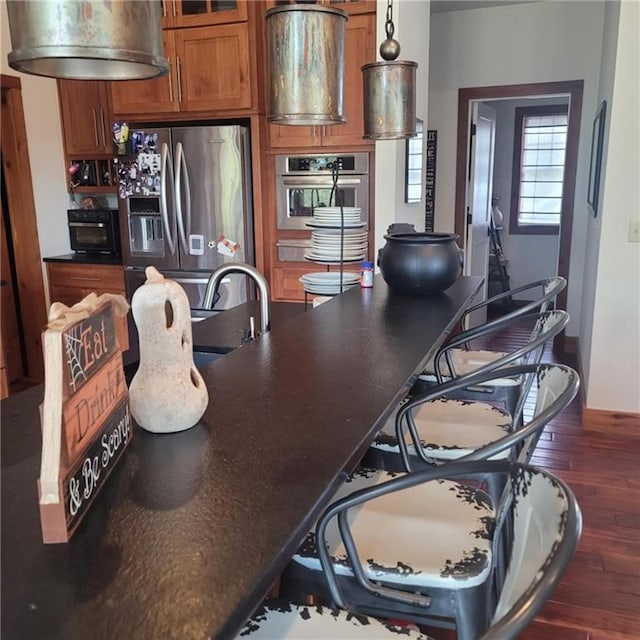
(531, 257)
(44, 138)
(610, 342)
(515, 44)
(411, 20)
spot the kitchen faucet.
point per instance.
(254, 274)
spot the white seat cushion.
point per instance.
(449, 429)
(466, 362)
(436, 534)
(284, 621)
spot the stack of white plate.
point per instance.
(333, 217)
(328, 283)
(326, 246)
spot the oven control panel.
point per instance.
(357, 163)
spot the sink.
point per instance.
(197, 315)
(204, 358)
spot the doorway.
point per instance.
(22, 272)
(466, 100)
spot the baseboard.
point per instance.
(618, 422)
(621, 422)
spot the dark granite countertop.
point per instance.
(84, 258)
(192, 529)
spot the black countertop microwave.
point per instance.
(94, 231)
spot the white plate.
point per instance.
(335, 248)
(327, 290)
(330, 277)
(336, 216)
(336, 234)
(347, 225)
(354, 246)
(335, 220)
(328, 242)
(325, 260)
(319, 248)
(359, 244)
(336, 256)
(348, 233)
(334, 209)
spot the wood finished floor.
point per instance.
(599, 597)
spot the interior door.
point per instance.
(479, 189)
(11, 342)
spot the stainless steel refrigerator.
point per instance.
(185, 207)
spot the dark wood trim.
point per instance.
(536, 89)
(24, 231)
(521, 114)
(10, 82)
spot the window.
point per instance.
(540, 144)
(413, 172)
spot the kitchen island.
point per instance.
(192, 529)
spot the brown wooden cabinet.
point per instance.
(85, 108)
(197, 13)
(360, 49)
(352, 7)
(209, 70)
(148, 96)
(286, 285)
(86, 117)
(69, 283)
(213, 68)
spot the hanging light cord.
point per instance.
(335, 174)
(388, 25)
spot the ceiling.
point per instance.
(443, 6)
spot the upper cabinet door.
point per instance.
(213, 68)
(284, 136)
(360, 48)
(86, 116)
(159, 95)
(169, 12)
(353, 7)
(196, 13)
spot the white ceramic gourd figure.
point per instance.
(167, 393)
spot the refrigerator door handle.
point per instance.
(181, 171)
(165, 166)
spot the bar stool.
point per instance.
(452, 363)
(363, 536)
(457, 358)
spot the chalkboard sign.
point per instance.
(430, 180)
(86, 424)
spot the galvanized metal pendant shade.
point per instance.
(83, 40)
(389, 91)
(306, 64)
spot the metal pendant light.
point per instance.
(84, 40)
(389, 91)
(306, 64)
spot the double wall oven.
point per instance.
(305, 182)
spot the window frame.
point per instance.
(414, 149)
(515, 228)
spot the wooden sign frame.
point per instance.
(86, 423)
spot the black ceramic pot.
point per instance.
(419, 263)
